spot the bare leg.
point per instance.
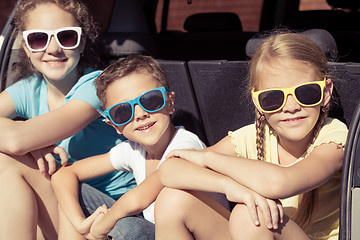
(27, 200)
(184, 215)
(66, 229)
(242, 227)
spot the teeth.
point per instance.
(145, 127)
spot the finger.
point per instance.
(41, 165)
(62, 154)
(172, 154)
(281, 211)
(103, 209)
(274, 213)
(51, 163)
(253, 213)
(265, 209)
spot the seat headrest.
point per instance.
(346, 4)
(209, 22)
(321, 37)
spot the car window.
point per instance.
(248, 11)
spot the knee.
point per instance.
(240, 222)
(171, 203)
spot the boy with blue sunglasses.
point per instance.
(138, 105)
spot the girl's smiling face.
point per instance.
(54, 62)
(292, 123)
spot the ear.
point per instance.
(82, 44)
(171, 102)
(327, 92)
(108, 121)
(27, 51)
(256, 105)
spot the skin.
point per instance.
(293, 124)
(153, 131)
(26, 146)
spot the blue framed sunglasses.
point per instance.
(151, 101)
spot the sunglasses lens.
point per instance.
(68, 38)
(121, 113)
(37, 40)
(308, 94)
(271, 100)
(152, 101)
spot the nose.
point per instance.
(291, 105)
(139, 113)
(53, 46)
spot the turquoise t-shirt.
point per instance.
(30, 100)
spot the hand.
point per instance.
(46, 155)
(272, 210)
(85, 226)
(94, 231)
(190, 155)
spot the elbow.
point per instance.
(57, 176)
(13, 146)
(166, 174)
(275, 187)
(136, 205)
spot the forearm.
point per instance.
(131, 203)
(181, 174)
(264, 178)
(65, 185)
(20, 137)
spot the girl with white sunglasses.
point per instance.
(293, 152)
(57, 98)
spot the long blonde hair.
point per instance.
(297, 47)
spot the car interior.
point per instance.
(206, 66)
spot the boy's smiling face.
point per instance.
(148, 129)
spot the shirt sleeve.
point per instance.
(85, 90)
(126, 155)
(333, 131)
(244, 141)
(183, 140)
(27, 98)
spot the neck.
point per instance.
(296, 148)
(62, 86)
(155, 152)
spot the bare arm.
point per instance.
(20, 137)
(270, 180)
(131, 203)
(182, 174)
(65, 183)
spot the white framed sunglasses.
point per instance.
(38, 40)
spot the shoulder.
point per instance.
(31, 82)
(248, 131)
(124, 153)
(332, 131)
(88, 78)
(185, 139)
(333, 128)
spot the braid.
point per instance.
(260, 125)
(308, 200)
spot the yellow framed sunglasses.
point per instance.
(307, 94)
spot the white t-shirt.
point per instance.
(131, 156)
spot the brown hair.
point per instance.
(126, 66)
(297, 47)
(82, 16)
